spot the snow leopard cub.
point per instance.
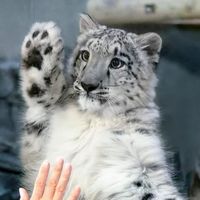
(98, 114)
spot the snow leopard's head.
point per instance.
(113, 68)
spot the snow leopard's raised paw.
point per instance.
(42, 65)
(42, 45)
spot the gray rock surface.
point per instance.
(6, 82)
(10, 106)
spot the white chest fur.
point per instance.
(87, 142)
(103, 160)
(73, 131)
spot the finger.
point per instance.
(62, 184)
(75, 194)
(40, 181)
(23, 194)
(53, 180)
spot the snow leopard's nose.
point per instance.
(89, 87)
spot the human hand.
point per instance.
(54, 187)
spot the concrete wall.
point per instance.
(16, 17)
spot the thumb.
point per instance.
(23, 194)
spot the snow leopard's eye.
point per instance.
(85, 55)
(116, 63)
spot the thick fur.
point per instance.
(109, 134)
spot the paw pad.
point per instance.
(28, 44)
(48, 50)
(42, 45)
(34, 59)
(35, 34)
(44, 35)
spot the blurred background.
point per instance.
(178, 92)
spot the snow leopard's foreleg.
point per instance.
(42, 84)
(145, 173)
(156, 175)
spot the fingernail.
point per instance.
(21, 193)
(60, 160)
(68, 166)
(45, 163)
(78, 188)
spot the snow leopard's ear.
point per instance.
(87, 23)
(151, 43)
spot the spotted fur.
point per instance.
(99, 113)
